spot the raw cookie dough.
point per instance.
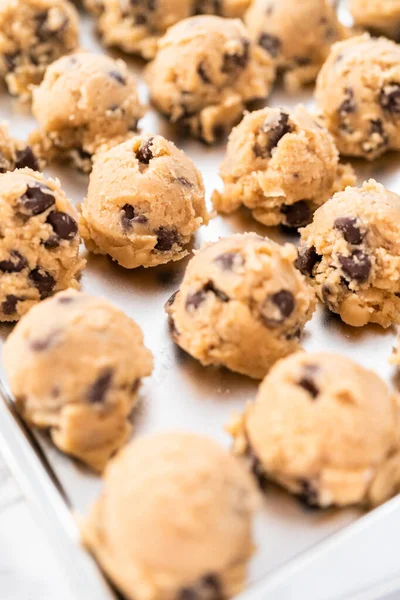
(94, 6)
(174, 520)
(15, 154)
(358, 92)
(351, 255)
(145, 202)
(85, 103)
(297, 34)
(74, 365)
(39, 242)
(33, 34)
(135, 27)
(323, 427)
(205, 71)
(241, 304)
(378, 16)
(281, 165)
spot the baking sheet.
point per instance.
(181, 394)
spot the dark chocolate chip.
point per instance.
(232, 62)
(351, 231)
(144, 153)
(201, 70)
(9, 305)
(206, 588)
(36, 200)
(171, 299)
(11, 61)
(183, 181)
(307, 259)
(389, 98)
(308, 494)
(328, 297)
(43, 282)
(297, 215)
(307, 380)
(53, 241)
(376, 127)
(98, 390)
(302, 61)
(277, 308)
(270, 43)
(166, 238)
(44, 31)
(271, 132)
(26, 158)
(64, 226)
(117, 76)
(356, 267)
(140, 19)
(44, 343)
(65, 299)
(348, 105)
(130, 215)
(15, 263)
(228, 260)
(194, 300)
(209, 7)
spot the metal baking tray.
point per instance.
(181, 394)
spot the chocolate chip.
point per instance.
(207, 588)
(15, 263)
(235, 61)
(9, 305)
(166, 238)
(270, 43)
(97, 392)
(11, 61)
(43, 282)
(44, 31)
(26, 158)
(36, 200)
(307, 259)
(351, 232)
(65, 299)
(171, 299)
(117, 76)
(348, 105)
(302, 61)
(228, 260)
(328, 297)
(140, 19)
(210, 7)
(53, 241)
(277, 307)
(194, 300)
(357, 266)
(144, 153)
(376, 129)
(44, 343)
(201, 70)
(297, 215)
(307, 380)
(131, 215)
(272, 131)
(389, 98)
(65, 227)
(308, 494)
(183, 181)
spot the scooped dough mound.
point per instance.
(378, 16)
(74, 364)
(174, 520)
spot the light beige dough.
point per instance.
(86, 103)
(74, 364)
(241, 304)
(378, 16)
(33, 34)
(297, 34)
(324, 428)
(358, 93)
(174, 520)
(205, 72)
(351, 255)
(15, 154)
(145, 202)
(39, 242)
(281, 164)
(135, 27)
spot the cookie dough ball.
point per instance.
(15, 154)
(351, 255)
(178, 528)
(378, 16)
(241, 304)
(205, 71)
(74, 365)
(135, 27)
(281, 165)
(145, 202)
(297, 34)
(358, 92)
(322, 427)
(33, 34)
(39, 242)
(86, 102)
